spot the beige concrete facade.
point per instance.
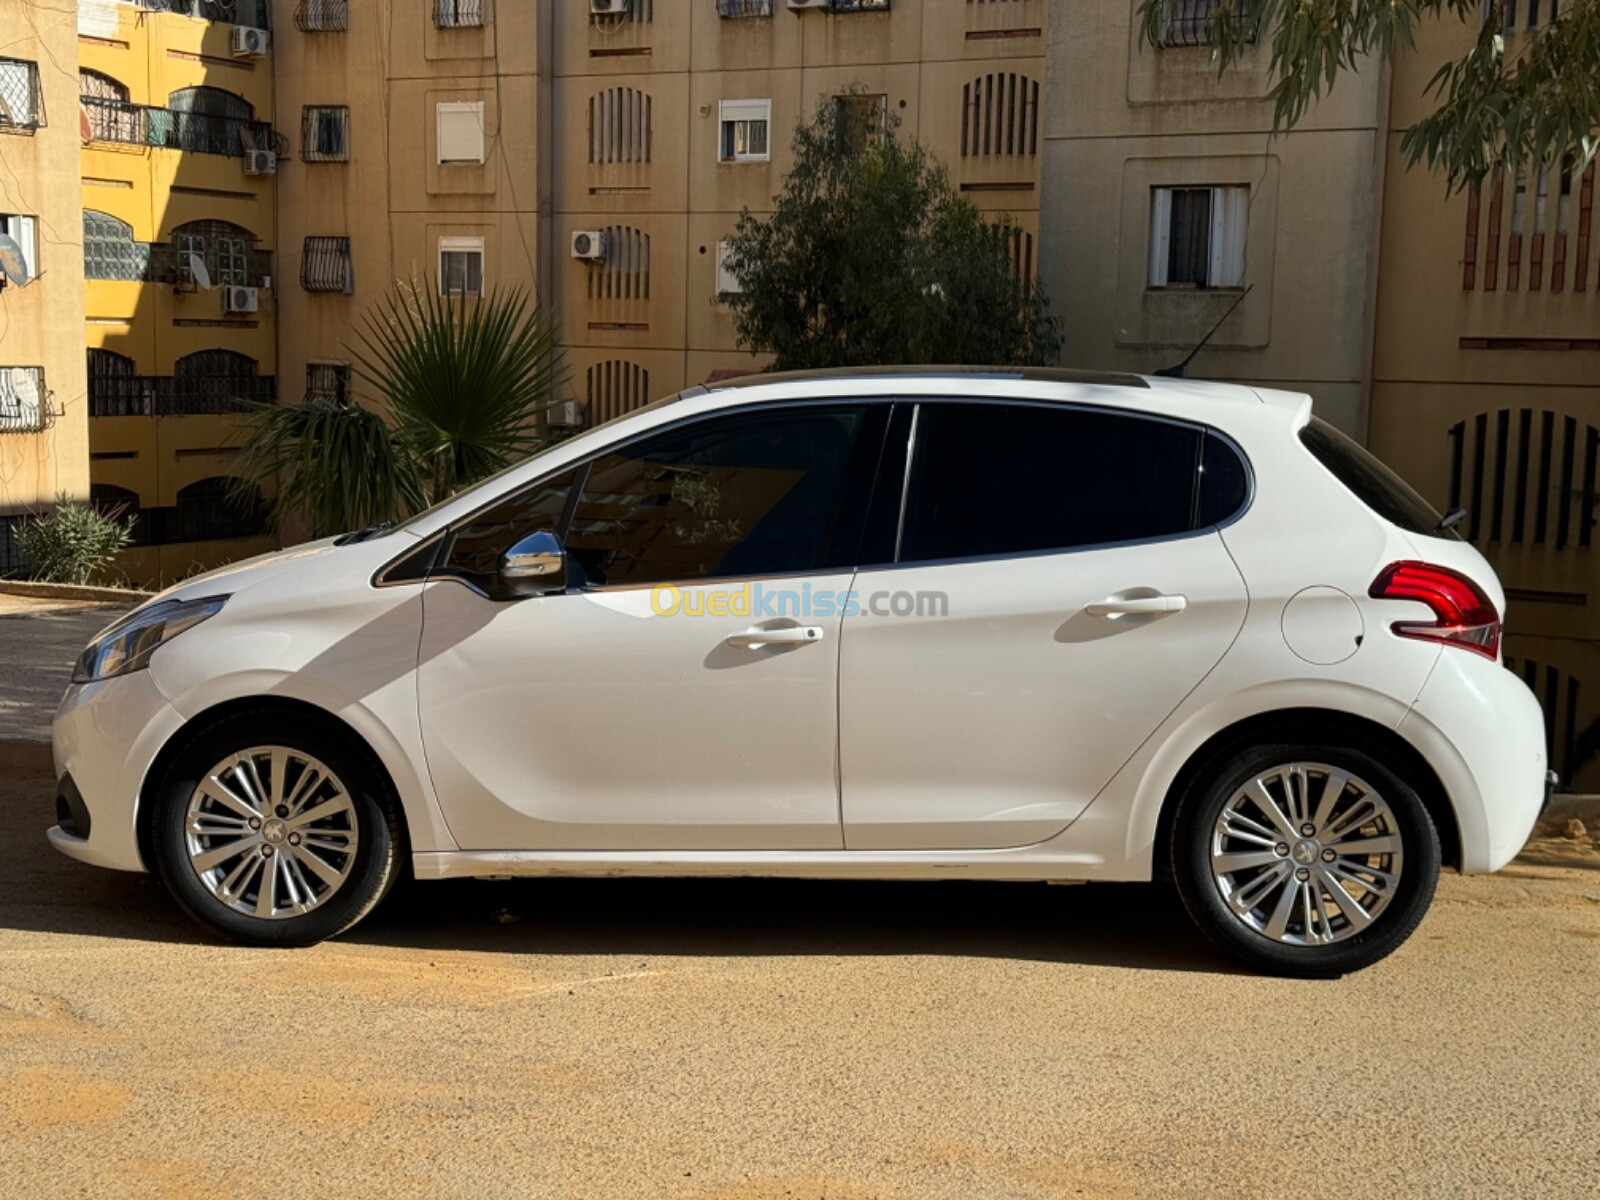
(44, 426)
(1125, 121)
(1486, 392)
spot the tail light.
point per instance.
(1463, 615)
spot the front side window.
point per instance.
(1197, 236)
(996, 479)
(745, 127)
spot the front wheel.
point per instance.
(1305, 860)
(275, 830)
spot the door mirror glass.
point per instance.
(535, 565)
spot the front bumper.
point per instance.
(104, 739)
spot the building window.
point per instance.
(325, 133)
(99, 86)
(863, 119)
(19, 260)
(1000, 116)
(322, 16)
(216, 509)
(109, 251)
(733, 9)
(850, 6)
(21, 102)
(620, 126)
(115, 386)
(325, 265)
(727, 282)
(745, 126)
(1189, 22)
(1197, 236)
(460, 127)
(457, 14)
(224, 250)
(22, 400)
(461, 266)
(210, 382)
(625, 273)
(328, 381)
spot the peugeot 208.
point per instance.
(1005, 624)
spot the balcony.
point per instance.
(196, 133)
(730, 10)
(256, 14)
(322, 16)
(458, 14)
(214, 393)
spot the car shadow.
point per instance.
(1141, 926)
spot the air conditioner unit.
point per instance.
(609, 8)
(260, 162)
(241, 299)
(566, 415)
(802, 5)
(250, 43)
(589, 245)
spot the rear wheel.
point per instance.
(1304, 859)
(275, 830)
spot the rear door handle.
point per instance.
(790, 635)
(1136, 606)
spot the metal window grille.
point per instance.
(625, 274)
(100, 86)
(13, 563)
(21, 101)
(457, 14)
(257, 14)
(322, 16)
(213, 510)
(115, 387)
(328, 381)
(615, 387)
(734, 9)
(1000, 116)
(325, 265)
(1189, 22)
(24, 405)
(849, 6)
(325, 133)
(210, 382)
(620, 120)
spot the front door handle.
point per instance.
(789, 635)
(1136, 606)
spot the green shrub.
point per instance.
(73, 542)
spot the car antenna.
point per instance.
(1181, 370)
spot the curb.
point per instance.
(72, 591)
(26, 760)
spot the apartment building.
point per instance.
(1170, 209)
(178, 162)
(1486, 386)
(43, 412)
(600, 152)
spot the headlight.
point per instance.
(128, 644)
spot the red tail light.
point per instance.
(1463, 614)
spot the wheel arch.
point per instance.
(196, 726)
(1314, 724)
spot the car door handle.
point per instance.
(789, 635)
(1136, 606)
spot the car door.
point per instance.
(1057, 586)
(681, 692)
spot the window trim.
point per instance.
(730, 112)
(1201, 430)
(1227, 218)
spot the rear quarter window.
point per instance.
(1374, 484)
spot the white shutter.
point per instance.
(21, 230)
(1230, 226)
(727, 281)
(460, 131)
(1160, 234)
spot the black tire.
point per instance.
(1200, 809)
(376, 862)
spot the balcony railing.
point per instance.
(178, 396)
(1189, 21)
(849, 6)
(457, 14)
(257, 14)
(196, 133)
(734, 9)
(24, 404)
(322, 16)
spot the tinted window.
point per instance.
(1224, 483)
(477, 548)
(1374, 484)
(752, 494)
(992, 479)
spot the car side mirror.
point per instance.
(535, 566)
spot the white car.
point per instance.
(989, 624)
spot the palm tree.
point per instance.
(463, 381)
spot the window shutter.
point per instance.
(1160, 235)
(1230, 212)
(460, 131)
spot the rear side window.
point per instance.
(1374, 484)
(993, 479)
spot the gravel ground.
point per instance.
(745, 1039)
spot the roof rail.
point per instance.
(1027, 374)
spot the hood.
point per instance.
(235, 577)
